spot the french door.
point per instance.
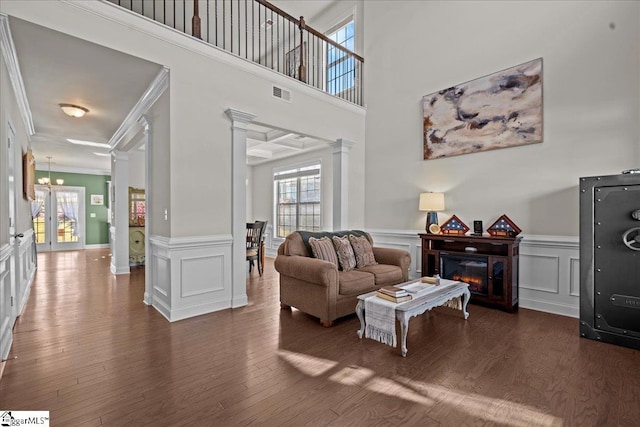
(58, 218)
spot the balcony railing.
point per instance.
(261, 32)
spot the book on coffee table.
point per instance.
(393, 291)
(396, 300)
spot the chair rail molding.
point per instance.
(548, 268)
(190, 276)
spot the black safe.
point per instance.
(610, 258)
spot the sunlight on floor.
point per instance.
(309, 365)
(484, 407)
(477, 406)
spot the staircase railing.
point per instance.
(261, 32)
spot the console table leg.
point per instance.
(465, 301)
(404, 327)
(360, 313)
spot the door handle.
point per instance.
(632, 243)
(18, 235)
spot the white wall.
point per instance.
(591, 109)
(160, 177)
(136, 169)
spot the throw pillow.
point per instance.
(345, 253)
(322, 248)
(363, 251)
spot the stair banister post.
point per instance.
(302, 69)
(195, 21)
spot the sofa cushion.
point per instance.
(295, 246)
(363, 251)
(384, 274)
(355, 282)
(345, 254)
(323, 249)
(305, 235)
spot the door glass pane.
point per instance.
(67, 216)
(38, 213)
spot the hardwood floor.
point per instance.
(89, 351)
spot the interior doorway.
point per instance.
(58, 218)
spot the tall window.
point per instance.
(340, 67)
(297, 199)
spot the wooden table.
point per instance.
(446, 291)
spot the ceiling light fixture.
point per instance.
(102, 154)
(73, 110)
(89, 143)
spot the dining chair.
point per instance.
(255, 247)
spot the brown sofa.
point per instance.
(320, 289)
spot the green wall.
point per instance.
(97, 229)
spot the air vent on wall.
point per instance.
(281, 93)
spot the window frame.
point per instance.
(297, 172)
(329, 65)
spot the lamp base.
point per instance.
(432, 218)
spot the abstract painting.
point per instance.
(501, 110)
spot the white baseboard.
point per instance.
(568, 310)
(97, 246)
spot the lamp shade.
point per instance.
(431, 202)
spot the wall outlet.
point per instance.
(92, 214)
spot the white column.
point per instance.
(145, 121)
(120, 181)
(341, 183)
(239, 122)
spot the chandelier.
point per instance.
(47, 180)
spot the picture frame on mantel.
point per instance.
(501, 110)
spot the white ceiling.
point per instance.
(57, 68)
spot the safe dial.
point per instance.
(631, 238)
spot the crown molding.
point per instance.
(11, 59)
(146, 101)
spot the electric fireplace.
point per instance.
(471, 269)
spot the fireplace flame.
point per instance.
(471, 280)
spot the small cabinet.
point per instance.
(488, 264)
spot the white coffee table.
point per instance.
(444, 292)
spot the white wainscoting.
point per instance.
(17, 270)
(549, 274)
(271, 242)
(7, 316)
(190, 276)
(549, 268)
(26, 268)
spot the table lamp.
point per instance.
(431, 202)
